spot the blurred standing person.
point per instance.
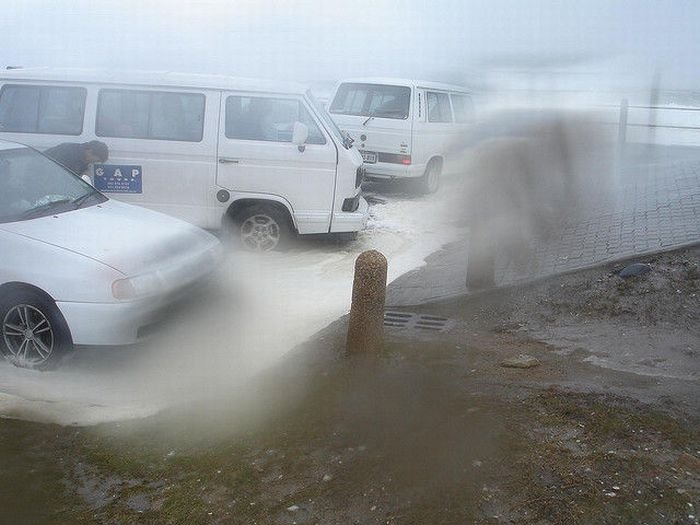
(533, 173)
(494, 207)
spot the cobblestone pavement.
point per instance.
(656, 207)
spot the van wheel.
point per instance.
(262, 228)
(33, 331)
(430, 181)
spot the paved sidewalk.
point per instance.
(656, 207)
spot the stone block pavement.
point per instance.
(655, 207)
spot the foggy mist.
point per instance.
(320, 42)
(174, 341)
(265, 307)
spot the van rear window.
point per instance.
(376, 100)
(55, 110)
(463, 108)
(156, 115)
(438, 107)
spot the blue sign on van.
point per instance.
(118, 178)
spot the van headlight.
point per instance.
(136, 287)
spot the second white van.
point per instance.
(404, 128)
(263, 157)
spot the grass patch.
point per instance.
(597, 459)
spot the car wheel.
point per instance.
(430, 181)
(33, 333)
(262, 228)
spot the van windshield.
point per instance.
(328, 122)
(372, 100)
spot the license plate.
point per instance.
(369, 156)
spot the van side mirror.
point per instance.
(300, 133)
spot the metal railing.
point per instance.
(656, 118)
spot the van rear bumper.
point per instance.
(385, 170)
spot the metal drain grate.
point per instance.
(416, 321)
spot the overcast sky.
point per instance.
(313, 40)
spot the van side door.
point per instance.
(257, 159)
(167, 137)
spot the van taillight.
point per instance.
(394, 158)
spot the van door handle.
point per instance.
(227, 160)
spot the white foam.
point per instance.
(266, 305)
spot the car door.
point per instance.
(257, 158)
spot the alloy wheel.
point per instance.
(28, 335)
(260, 233)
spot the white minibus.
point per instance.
(263, 157)
(404, 128)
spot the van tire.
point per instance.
(430, 181)
(261, 228)
(28, 309)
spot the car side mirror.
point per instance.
(300, 133)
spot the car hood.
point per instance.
(130, 239)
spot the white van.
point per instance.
(403, 128)
(212, 150)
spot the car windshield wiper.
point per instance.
(371, 116)
(84, 198)
(44, 208)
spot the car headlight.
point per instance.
(136, 287)
(169, 276)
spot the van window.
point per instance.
(463, 108)
(270, 119)
(438, 107)
(54, 110)
(377, 100)
(155, 115)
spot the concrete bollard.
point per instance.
(366, 329)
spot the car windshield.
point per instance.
(372, 100)
(35, 186)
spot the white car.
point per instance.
(77, 268)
